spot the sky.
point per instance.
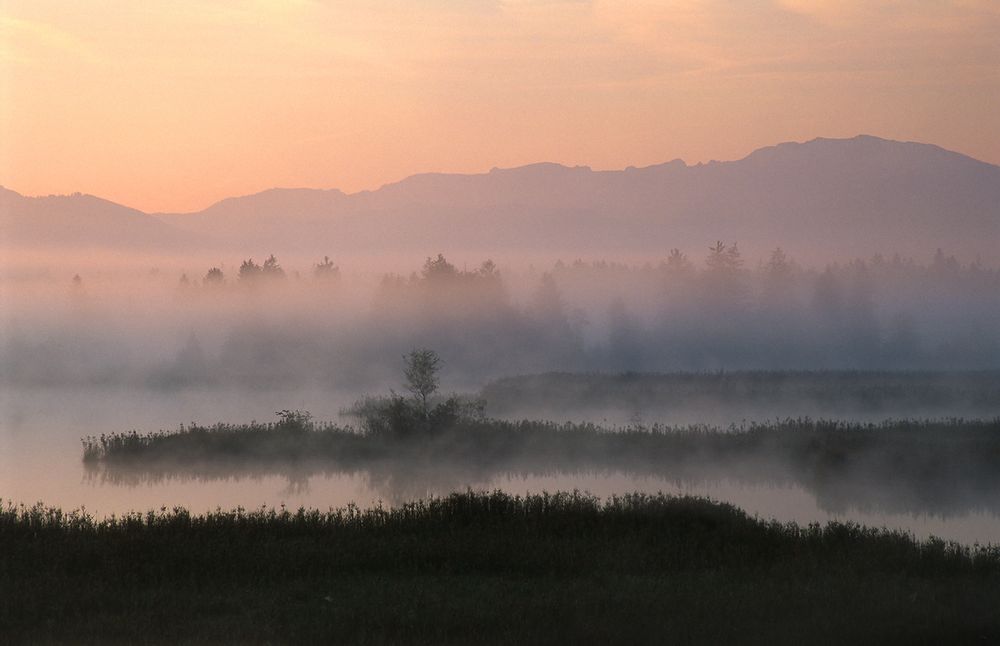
(172, 105)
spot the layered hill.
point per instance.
(84, 222)
(822, 200)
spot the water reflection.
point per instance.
(945, 495)
(322, 487)
(40, 460)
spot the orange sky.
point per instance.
(172, 105)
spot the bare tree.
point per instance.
(421, 370)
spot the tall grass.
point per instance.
(484, 568)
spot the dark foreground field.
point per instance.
(486, 568)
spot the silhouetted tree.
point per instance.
(421, 370)
(439, 269)
(679, 294)
(547, 304)
(489, 269)
(249, 270)
(214, 277)
(677, 264)
(778, 274)
(778, 266)
(944, 264)
(723, 259)
(325, 270)
(271, 268)
(557, 330)
(724, 292)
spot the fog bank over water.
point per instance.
(689, 338)
(269, 326)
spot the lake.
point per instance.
(40, 458)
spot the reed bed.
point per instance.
(485, 568)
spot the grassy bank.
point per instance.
(899, 466)
(486, 568)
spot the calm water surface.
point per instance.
(40, 460)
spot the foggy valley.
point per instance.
(715, 340)
(805, 387)
(330, 327)
(507, 322)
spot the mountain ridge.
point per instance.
(530, 166)
(855, 195)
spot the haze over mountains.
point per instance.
(823, 200)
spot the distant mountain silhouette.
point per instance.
(822, 200)
(83, 222)
(277, 220)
